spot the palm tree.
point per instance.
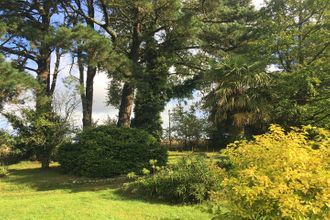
(238, 96)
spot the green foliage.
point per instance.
(107, 151)
(278, 175)
(96, 49)
(5, 152)
(188, 181)
(293, 40)
(3, 171)
(269, 68)
(227, 26)
(8, 153)
(235, 84)
(239, 99)
(150, 101)
(12, 82)
(187, 127)
(240, 92)
(39, 134)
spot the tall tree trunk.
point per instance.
(151, 96)
(45, 161)
(126, 105)
(43, 94)
(127, 99)
(87, 88)
(88, 107)
(86, 92)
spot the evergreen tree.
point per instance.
(12, 83)
(169, 66)
(296, 41)
(235, 83)
(88, 43)
(147, 35)
(28, 40)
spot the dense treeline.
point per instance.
(261, 75)
(253, 67)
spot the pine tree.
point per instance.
(87, 70)
(296, 41)
(28, 41)
(12, 83)
(147, 35)
(236, 79)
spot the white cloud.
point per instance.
(258, 3)
(100, 109)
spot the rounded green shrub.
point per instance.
(107, 151)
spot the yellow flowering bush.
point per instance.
(278, 175)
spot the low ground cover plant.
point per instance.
(189, 181)
(277, 175)
(3, 171)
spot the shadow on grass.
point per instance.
(54, 179)
(123, 195)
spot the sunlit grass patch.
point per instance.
(32, 193)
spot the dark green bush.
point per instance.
(108, 151)
(8, 153)
(189, 181)
(11, 157)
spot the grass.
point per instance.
(174, 156)
(31, 193)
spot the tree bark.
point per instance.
(88, 104)
(87, 88)
(43, 93)
(45, 161)
(126, 105)
(127, 100)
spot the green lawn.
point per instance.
(174, 156)
(31, 193)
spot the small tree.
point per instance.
(188, 127)
(39, 134)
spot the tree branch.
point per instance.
(56, 70)
(31, 69)
(18, 53)
(105, 26)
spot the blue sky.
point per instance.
(100, 110)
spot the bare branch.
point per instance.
(31, 69)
